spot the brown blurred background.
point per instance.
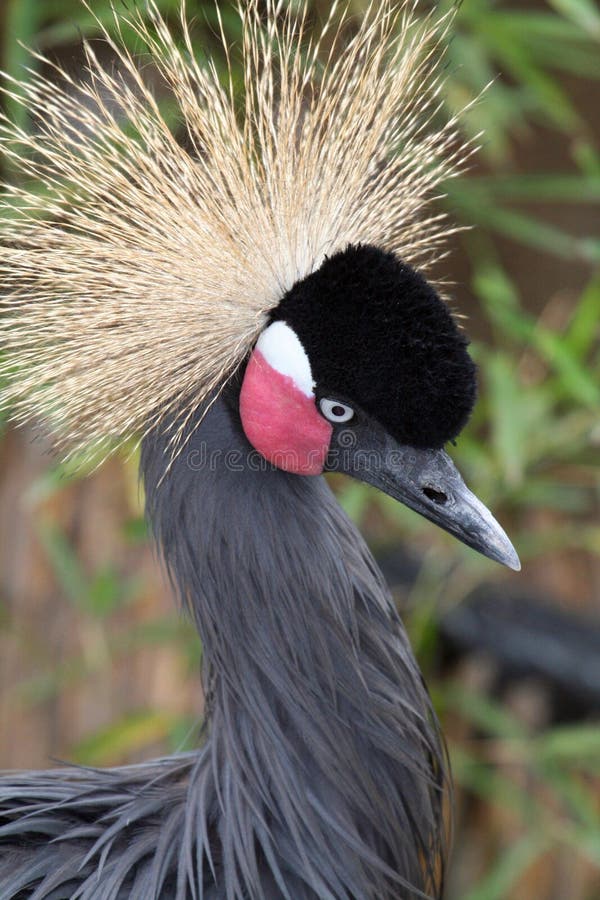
(97, 667)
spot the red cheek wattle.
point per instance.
(281, 422)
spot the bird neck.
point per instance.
(318, 723)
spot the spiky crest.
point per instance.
(142, 273)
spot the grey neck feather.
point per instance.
(323, 766)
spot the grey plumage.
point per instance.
(322, 773)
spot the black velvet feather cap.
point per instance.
(377, 334)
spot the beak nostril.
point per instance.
(436, 496)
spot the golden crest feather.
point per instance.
(141, 275)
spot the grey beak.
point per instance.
(429, 482)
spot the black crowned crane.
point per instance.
(250, 302)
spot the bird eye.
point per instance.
(336, 411)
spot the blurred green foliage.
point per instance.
(533, 444)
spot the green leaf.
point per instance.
(56, 478)
(584, 326)
(523, 228)
(586, 843)
(511, 865)
(494, 286)
(575, 378)
(534, 187)
(483, 713)
(544, 32)
(107, 592)
(184, 735)
(22, 19)
(587, 156)
(544, 24)
(498, 112)
(509, 426)
(510, 47)
(565, 353)
(550, 493)
(120, 740)
(354, 498)
(96, 596)
(70, 28)
(486, 781)
(65, 564)
(584, 13)
(136, 530)
(573, 744)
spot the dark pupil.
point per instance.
(338, 411)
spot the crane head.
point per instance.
(364, 370)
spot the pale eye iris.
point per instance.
(335, 411)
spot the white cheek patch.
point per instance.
(282, 350)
